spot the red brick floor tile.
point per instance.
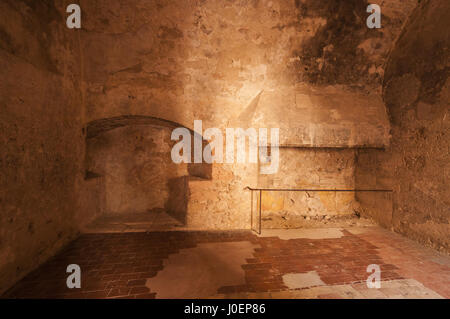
(145, 296)
(117, 292)
(329, 296)
(139, 290)
(134, 283)
(96, 294)
(115, 264)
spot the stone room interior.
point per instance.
(224, 149)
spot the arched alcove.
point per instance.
(140, 182)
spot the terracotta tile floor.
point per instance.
(120, 265)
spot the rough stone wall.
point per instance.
(310, 168)
(222, 202)
(416, 165)
(41, 140)
(136, 166)
(311, 68)
(184, 60)
(213, 203)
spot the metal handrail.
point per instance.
(299, 190)
(317, 190)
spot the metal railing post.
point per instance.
(251, 216)
(260, 205)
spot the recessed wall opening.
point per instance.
(139, 187)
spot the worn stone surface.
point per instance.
(199, 272)
(156, 220)
(82, 113)
(209, 60)
(311, 69)
(416, 165)
(302, 280)
(397, 289)
(222, 202)
(308, 168)
(136, 165)
(237, 64)
(239, 264)
(314, 233)
(41, 140)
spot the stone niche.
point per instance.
(309, 168)
(131, 157)
(136, 166)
